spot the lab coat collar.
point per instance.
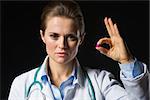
(80, 74)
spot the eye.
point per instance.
(54, 36)
(72, 37)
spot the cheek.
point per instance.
(74, 46)
(50, 46)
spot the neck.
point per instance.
(59, 72)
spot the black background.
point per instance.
(22, 49)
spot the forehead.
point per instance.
(60, 25)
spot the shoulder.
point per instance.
(21, 79)
(102, 78)
(99, 73)
(18, 85)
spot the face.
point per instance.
(61, 39)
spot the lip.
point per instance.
(61, 54)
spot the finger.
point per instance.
(104, 41)
(111, 27)
(102, 50)
(107, 26)
(116, 29)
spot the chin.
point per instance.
(62, 61)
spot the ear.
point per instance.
(42, 36)
(82, 38)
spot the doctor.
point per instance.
(61, 77)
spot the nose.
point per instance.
(63, 43)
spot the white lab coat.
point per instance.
(105, 86)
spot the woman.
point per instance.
(61, 77)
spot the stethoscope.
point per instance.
(29, 93)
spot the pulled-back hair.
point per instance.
(69, 9)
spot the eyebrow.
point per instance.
(71, 33)
(53, 32)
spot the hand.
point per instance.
(118, 49)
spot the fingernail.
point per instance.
(97, 45)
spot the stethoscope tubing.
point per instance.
(92, 93)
